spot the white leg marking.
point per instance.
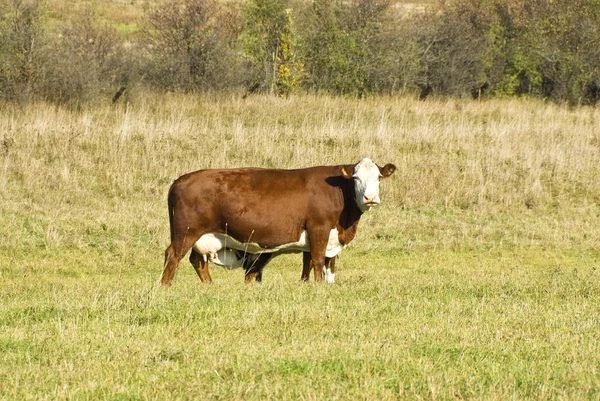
(329, 276)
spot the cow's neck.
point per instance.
(351, 214)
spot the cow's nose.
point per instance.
(371, 200)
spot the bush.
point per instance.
(85, 62)
(568, 51)
(455, 49)
(21, 44)
(461, 48)
(190, 46)
(264, 21)
(290, 70)
(344, 46)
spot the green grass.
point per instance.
(477, 278)
(489, 325)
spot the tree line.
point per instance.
(467, 48)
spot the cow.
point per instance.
(243, 217)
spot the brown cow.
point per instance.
(244, 217)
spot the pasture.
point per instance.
(478, 277)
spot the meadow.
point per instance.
(476, 278)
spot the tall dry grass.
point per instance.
(501, 153)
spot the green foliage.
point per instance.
(290, 71)
(570, 36)
(460, 48)
(344, 47)
(264, 23)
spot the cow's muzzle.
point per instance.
(371, 201)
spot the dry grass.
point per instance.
(459, 153)
(475, 279)
(513, 156)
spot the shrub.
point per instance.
(21, 42)
(344, 46)
(85, 62)
(190, 45)
(290, 71)
(452, 46)
(264, 21)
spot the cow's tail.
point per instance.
(171, 203)
(171, 259)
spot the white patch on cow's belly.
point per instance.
(220, 248)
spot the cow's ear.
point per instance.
(387, 170)
(347, 172)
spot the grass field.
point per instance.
(477, 278)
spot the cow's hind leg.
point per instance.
(255, 269)
(171, 263)
(173, 255)
(305, 266)
(200, 264)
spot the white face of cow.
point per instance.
(367, 176)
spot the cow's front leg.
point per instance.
(308, 264)
(329, 270)
(318, 265)
(318, 245)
